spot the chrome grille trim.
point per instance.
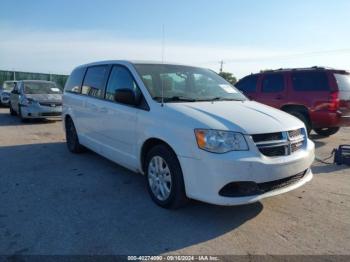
(292, 141)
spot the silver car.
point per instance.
(36, 99)
(5, 91)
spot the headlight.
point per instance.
(217, 141)
(27, 101)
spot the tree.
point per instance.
(229, 77)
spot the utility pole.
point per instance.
(221, 65)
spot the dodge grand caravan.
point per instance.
(191, 133)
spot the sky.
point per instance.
(247, 35)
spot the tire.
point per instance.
(24, 120)
(166, 187)
(72, 138)
(12, 112)
(327, 131)
(303, 118)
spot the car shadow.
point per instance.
(55, 202)
(316, 139)
(8, 120)
(327, 169)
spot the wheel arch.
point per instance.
(147, 146)
(299, 108)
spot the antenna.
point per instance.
(163, 42)
(162, 81)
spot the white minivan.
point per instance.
(191, 133)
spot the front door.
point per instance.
(273, 90)
(119, 121)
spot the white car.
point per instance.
(36, 99)
(188, 130)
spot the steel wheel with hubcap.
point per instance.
(164, 177)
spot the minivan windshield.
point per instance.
(41, 88)
(184, 83)
(343, 81)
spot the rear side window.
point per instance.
(121, 78)
(94, 81)
(273, 83)
(310, 81)
(248, 84)
(343, 81)
(75, 81)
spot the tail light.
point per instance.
(334, 101)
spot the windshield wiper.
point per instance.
(220, 99)
(175, 99)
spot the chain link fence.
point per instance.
(16, 75)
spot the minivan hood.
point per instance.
(45, 97)
(247, 117)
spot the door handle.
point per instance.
(279, 97)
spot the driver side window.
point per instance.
(121, 78)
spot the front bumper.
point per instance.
(38, 111)
(205, 177)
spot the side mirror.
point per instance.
(125, 96)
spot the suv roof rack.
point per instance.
(297, 69)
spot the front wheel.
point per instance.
(164, 178)
(327, 131)
(12, 112)
(20, 114)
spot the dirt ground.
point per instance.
(54, 202)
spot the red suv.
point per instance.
(320, 97)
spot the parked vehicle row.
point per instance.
(320, 97)
(191, 133)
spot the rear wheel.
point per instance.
(303, 118)
(327, 131)
(164, 178)
(72, 137)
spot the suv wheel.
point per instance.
(12, 112)
(303, 118)
(72, 138)
(327, 131)
(164, 178)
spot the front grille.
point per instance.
(280, 144)
(267, 137)
(295, 133)
(51, 114)
(273, 151)
(50, 104)
(248, 188)
(284, 182)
